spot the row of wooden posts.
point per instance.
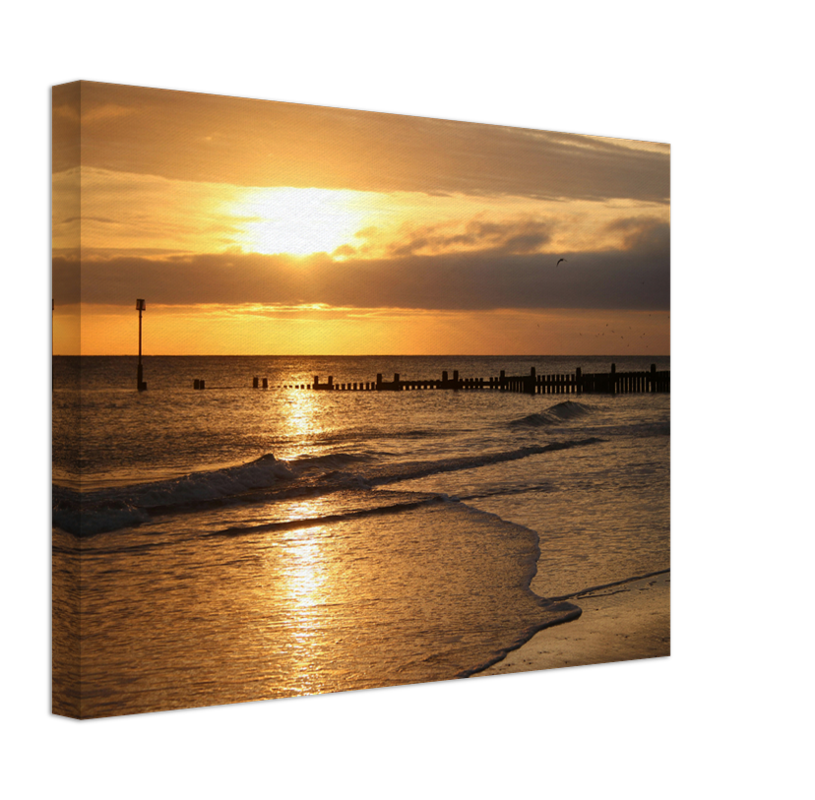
(612, 382)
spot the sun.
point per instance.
(297, 221)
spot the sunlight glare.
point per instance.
(297, 221)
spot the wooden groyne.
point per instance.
(578, 382)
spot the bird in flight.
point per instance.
(558, 263)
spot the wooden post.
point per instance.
(201, 383)
(653, 377)
(396, 384)
(255, 382)
(140, 384)
(378, 381)
(578, 381)
(265, 383)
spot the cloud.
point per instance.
(640, 231)
(344, 250)
(634, 279)
(197, 137)
(508, 237)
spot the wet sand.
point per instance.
(620, 623)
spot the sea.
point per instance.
(234, 544)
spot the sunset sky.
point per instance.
(257, 227)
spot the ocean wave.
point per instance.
(506, 491)
(263, 480)
(421, 469)
(569, 409)
(552, 416)
(89, 513)
(335, 461)
(76, 516)
(415, 501)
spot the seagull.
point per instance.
(558, 263)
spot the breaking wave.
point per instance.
(555, 415)
(264, 480)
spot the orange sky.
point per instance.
(273, 228)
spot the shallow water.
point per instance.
(239, 544)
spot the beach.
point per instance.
(284, 542)
(619, 623)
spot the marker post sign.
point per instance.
(140, 384)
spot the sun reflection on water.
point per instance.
(302, 581)
(301, 422)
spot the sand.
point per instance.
(619, 623)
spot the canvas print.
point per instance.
(349, 400)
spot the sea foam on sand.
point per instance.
(619, 623)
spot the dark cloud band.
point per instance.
(636, 279)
